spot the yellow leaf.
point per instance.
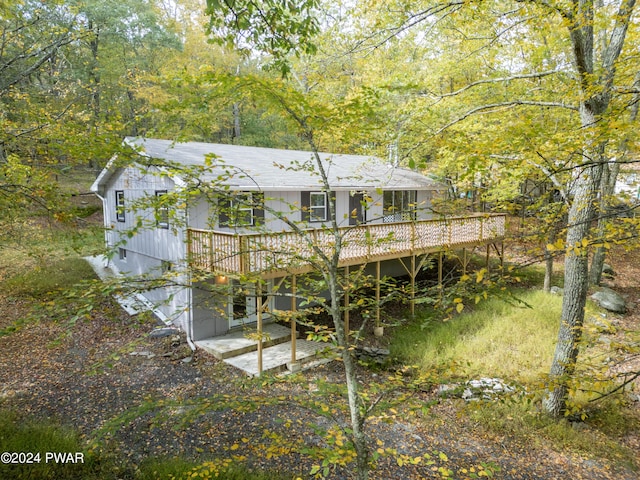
(585, 242)
(459, 307)
(235, 446)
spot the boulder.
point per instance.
(163, 332)
(556, 290)
(610, 300)
(475, 390)
(372, 355)
(607, 270)
(485, 389)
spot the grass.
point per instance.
(18, 434)
(516, 343)
(597, 437)
(49, 279)
(498, 339)
(39, 437)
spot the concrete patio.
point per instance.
(239, 350)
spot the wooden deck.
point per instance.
(273, 253)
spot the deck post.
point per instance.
(210, 256)
(413, 286)
(378, 330)
(259, 324)
(464, 262)
(346, 302)
(440, 273)
(294, 306)
(488, 254)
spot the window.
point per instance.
(242, 206)
(315, 206)
(122, 254)
(119, 205)
(244, 209)
(399, 205)
(162, 209)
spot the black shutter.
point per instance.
(258, 208)
(223, 211)
(305, 200)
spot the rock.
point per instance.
(485, 389)
(187, 360)
(163, 332)
(474, 390)
(144, 353)
(371, 354)
(556, 290)
(607, 270)
(451, 390)
(602, 326)
(609, 300)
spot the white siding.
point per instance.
(150, 241)
(203, 216)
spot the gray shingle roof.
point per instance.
(275, 169)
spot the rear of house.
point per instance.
(241, 211)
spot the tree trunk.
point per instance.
(594, 102)
(548, 270)
(356, 408)
(236, 123)
(576, 277)
(607, 188)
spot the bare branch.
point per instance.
(492, 107)
(495, 80)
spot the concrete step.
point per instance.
(240, 342)
(277, 358)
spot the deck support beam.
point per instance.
(259, 325)
(294, 307)
(413, 286)
(346, 302)
(440, 272)
(413, 271)
(378, 330)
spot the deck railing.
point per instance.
(286, 251)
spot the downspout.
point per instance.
(185, 238)
(106, 229)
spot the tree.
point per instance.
(583, 80)
(68, 71)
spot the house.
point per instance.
(251, 211)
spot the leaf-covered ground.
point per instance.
(159, 405)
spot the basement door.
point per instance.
(243, 304)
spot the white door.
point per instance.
(243, 304)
